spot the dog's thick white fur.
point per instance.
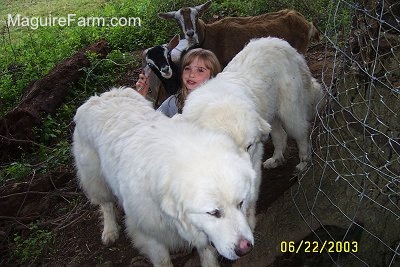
(179, 185)
(267, 84)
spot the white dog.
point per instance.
(267, 83)
(179, 185)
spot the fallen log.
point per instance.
(43, 97)
(27, 199)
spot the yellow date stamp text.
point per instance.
(319, 247)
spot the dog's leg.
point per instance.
(256, 161)
(157, 252)
(111, 228)
(294, 121)
(300, 133)
(208, 257)
(304, 152)
(279, 139)
(95, 187)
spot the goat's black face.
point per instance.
(158, 59)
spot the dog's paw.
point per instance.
(273, 163)
(270, 163)
(109, 236)
(301, 166)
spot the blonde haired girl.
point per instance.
(198, 66)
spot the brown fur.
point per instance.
(228, 36)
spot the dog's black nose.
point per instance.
(243, 247)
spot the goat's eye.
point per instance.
(215, 213)
(240, 205)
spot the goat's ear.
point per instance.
(203, 7)
(167, 15)
(144, 54)
(173, 42)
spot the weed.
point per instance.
(50, 129)
(14, 171)
(30, 248)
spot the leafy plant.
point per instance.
(15, 171)
(31, 248)
(50, 130)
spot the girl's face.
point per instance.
(195, 74)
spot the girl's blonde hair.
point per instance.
(210, 61)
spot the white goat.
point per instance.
(228, 36)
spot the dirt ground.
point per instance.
(75, 224)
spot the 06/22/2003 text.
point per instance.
(319, 247)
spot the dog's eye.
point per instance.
(240, 205)
(248, 147)
(215, 213)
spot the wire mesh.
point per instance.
(353, 183)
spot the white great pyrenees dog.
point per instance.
(180, 186)
(266, 84)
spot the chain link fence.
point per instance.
(351, 193)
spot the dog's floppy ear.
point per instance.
(173, 209)
(264, 127)
(168, 205)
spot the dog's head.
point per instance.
(209, 198)
(227, 112)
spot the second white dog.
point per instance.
(267, 82)
(179, 185)
(266, 89)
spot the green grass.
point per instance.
(29, 54)
(56, 7)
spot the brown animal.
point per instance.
(228, 36)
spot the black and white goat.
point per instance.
(159, 60)
(229, 35)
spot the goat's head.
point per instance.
(186, 18)
(158, 58)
